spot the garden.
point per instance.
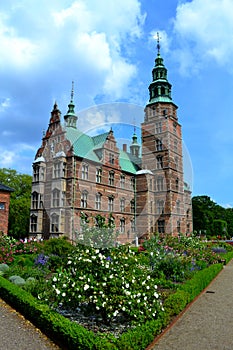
(93, 297)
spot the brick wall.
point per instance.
(4, 211)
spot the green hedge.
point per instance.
(70, 335)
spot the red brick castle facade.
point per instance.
(142, 191)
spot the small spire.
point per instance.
(72, 92)
(158, 43)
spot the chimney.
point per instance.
(124, 147)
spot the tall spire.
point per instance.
(70, 117)
(160, 88)
(158, 43)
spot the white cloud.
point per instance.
(204, 29)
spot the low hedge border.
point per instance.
(70, 335)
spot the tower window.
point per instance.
(132, 206)
(159, 145)
(178, 207)
(158, 127)
(159, 162)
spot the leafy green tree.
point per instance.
(220, 228)
(20, 201)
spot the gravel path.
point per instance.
(207, 324)
(16, 333)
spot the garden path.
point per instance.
(16, 333)
(207, 324)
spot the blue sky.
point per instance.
(108, 49)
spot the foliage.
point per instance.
(10, 248)
(104, 235)
(108, 283)
(220, 228)
(205, 212)
(20, 201)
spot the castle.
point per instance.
(80, 177)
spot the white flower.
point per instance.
(115, 313)
(111, 276)
(63, 294)
(58, 291)
(97, 307)
(123, 309)
(64, 285)
(138, 301)
(127, 285)
(147, 287)
(54, 279)
(97, 251)
(145, 298)
(85, 287)
(156, 295)
(69, 262)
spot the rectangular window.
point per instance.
(122, 181)
(122, 205)
(84, 171)
(175, 146)
(158, 127)
(110, 204)
(160, 184)
(56, 198)
(36, 172)
(111, 158)
(54, 223)
(111, 178)
(160, 206)
(122, 226)
(159, 160)
(35, 200)
(161, 226)
(98, 175)
(2, 206)
(98, 201)
(159, 145)
(33, 223)
(57, 170)
(84, 199)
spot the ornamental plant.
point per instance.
(108, 284)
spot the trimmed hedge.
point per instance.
(70, 335)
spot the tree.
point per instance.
(220, 228)
(210, 218)
(20, 201)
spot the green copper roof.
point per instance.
(88, 147)
(126, 163)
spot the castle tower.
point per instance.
(162, 154)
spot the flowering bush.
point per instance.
(107, 283)
(9, 247)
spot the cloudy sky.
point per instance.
(108, 49)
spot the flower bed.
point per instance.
(123, 296)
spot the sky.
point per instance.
(108, 49)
